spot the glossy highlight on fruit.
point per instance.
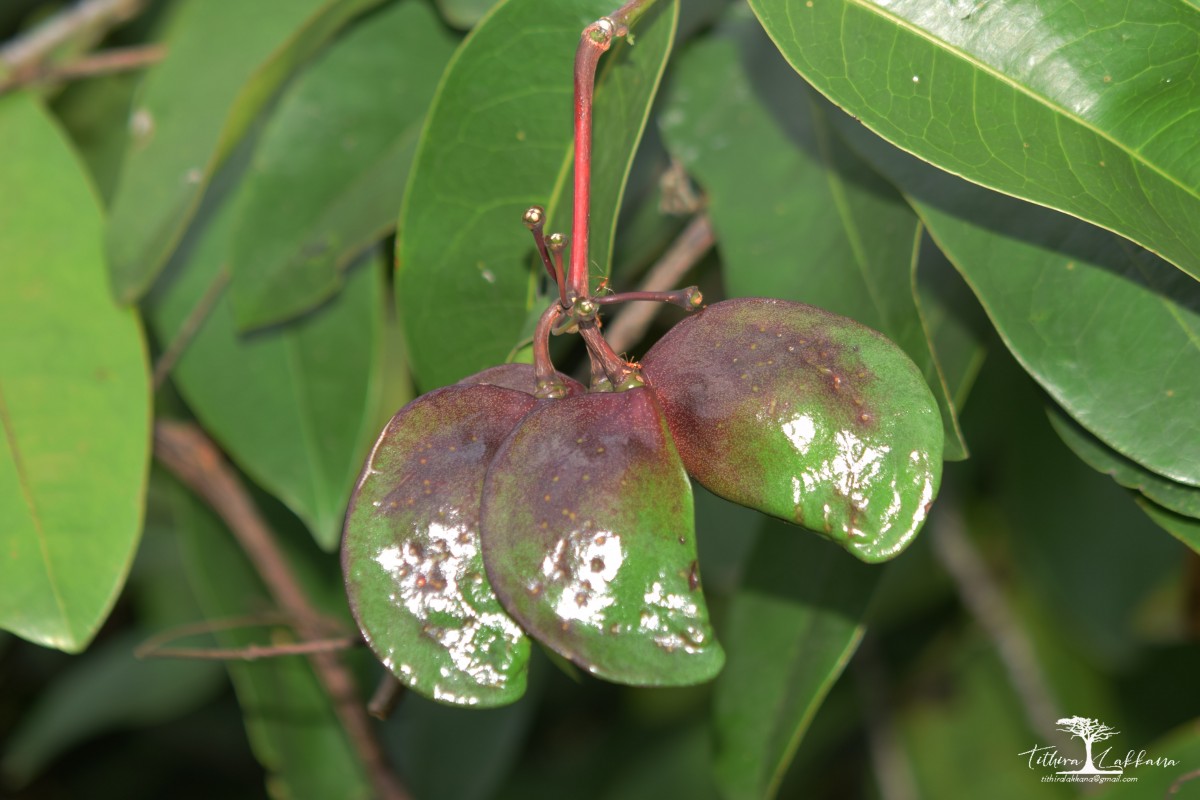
(805, 415)
(589, 542)
(411, 552)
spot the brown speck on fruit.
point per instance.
(599, 449)
(415, 549)
(392, 504)
(682, 540)
(566, 626)
(600, 539)
(421, 581)
(546, 498)
(614, 629)
(928, 506)
(424, 460)
(581, 598)
(597, 564)
(453, 449)
(535, 589)
(586, 477)
(694, 576)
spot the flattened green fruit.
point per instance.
(410, 554)
(517, 376)
(588, 540)
(804, 415)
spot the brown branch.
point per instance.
(984, 598)
(193, 458)
(1181, 780)
(251, 652)
(88, 20)
(90, 66)
(628, 328)
(387, 695)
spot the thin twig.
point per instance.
(252, 652)
(1178, 783)
(983, 597)
(88, 19)
(187, 331)
(628, 328)
(193, 458)
(92, 65)
(387, 695)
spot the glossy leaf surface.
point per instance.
(329, 172)
(824, 228)
(290, 721)
(793, 625)
(498, 140)
(804, 415)
(74, 395)
(1086, 108)
(411, 552)
(1177, 497)
(225, 59)
(294, 405)
(589, 542)
(1109, 330)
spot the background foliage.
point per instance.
(308, 210)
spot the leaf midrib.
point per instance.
(10, 436)
(987, 69)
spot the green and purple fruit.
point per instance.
(804, 415)
(588, 540)
(411, 551)
(520, 377)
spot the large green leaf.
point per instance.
(1177, 497)
(292, 726)
(74, 395)
(329, 171)
(1087, 108)
(498, 140)
(792, 628)
(225, 60)
(823, 228)
(1108, 329)
(293, 405)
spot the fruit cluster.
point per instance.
(519, 503)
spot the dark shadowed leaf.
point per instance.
(804, 415)
(293, 729)
(588, 540)
(225, 60)
(1185, 529)
(74, 394)
(1108, 329)
(498, 140)
(329, 172)
(792, 628)
(1177, 781)
(1088, 109)
(822, 228)
(293, 405)
(1177, 497)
